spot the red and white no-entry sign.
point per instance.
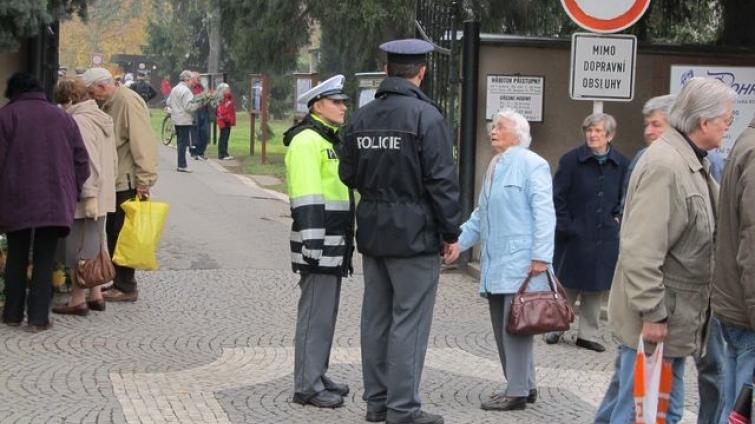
(605, 16)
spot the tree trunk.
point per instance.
(214, 22)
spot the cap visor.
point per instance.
(338, 97)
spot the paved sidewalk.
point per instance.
(210, 339)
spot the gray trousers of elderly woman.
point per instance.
(85, 240)
(516, 352)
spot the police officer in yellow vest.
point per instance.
(321, 238)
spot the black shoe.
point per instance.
(532, 397)
(586, 344)
(375, 416)
(503, 403)
(552, 338)
(420, 417)
(337, 388)
(323, 399)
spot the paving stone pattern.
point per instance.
(210, 339)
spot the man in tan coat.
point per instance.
(137, 162)
(661, 287)
(733, 297)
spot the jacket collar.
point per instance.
(678, 141)
(402, 87)
(584, 154)
(33, 95)
(322, 121)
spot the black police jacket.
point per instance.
(398, 154)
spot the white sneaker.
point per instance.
(187, 170)
(227, 158)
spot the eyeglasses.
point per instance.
(729, 121)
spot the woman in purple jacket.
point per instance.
(43, 164)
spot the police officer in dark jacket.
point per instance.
(398, 155)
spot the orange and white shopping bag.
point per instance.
(653, 377)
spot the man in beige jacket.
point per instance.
(733, 297)
(661, 287)
(137, 162)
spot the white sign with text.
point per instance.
(521, 93)
(602, 67)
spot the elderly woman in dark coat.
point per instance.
(43, 164)
(587, 193)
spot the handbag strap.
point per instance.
(552, 282)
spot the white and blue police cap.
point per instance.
(409, 50)
(332, 88)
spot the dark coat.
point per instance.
(43, 164)
(398, 153)
(587, 198)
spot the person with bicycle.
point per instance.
(182, 106)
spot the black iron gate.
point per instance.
(437, 21)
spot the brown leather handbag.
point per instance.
(95, 271)
(541, 311)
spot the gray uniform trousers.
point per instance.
(516, 353)
(397, 310)
(315, 326)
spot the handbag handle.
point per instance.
(554, 285)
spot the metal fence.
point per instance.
(438, 22)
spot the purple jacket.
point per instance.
(43, 164)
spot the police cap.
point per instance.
(409, 50)
(332, 88)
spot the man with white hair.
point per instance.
(661, 287)
(182, 107)
(137, 162)
(710, 366)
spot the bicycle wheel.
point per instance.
(168, 130)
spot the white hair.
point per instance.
(185, 75)
(658, 104)
(701, 99)
(521, 127)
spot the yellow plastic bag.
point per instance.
(137, 242)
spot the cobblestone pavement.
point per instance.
(210, 339)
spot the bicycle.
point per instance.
(168, 130)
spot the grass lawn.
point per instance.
(238, 146)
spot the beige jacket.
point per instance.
(666, 248)
(733, 297)
(134, 140)
(96, 128)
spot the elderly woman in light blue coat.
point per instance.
(514, 223)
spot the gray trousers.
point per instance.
(397, 310)
(589, 312)
(516, 352)
(315, 326)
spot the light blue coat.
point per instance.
(514, 222)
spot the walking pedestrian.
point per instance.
(136, 147)
(733, 293)
(226, 118)
(321, 238)
(43, 165)
(515, 223)
(661, 287)
(182, 106)
(710, 364)
(398, 154)
(97, 197)
(587, 192)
